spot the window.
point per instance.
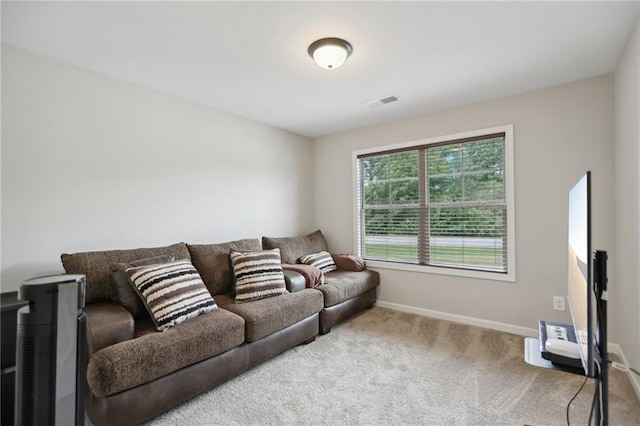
(443, 204)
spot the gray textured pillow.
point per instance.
(258, 274)
(125, 293)
(293, 248)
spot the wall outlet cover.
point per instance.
(558, 303)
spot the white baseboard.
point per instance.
(613, 348)
(634, 379)
(493, 325)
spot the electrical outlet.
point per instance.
(558, 303)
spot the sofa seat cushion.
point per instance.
(342, 285)
(137, 361)
(266, 316)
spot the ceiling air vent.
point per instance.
(381, 101)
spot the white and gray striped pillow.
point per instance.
(258, 274)
(172, 292)
(321, 260)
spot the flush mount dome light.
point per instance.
(330, 53)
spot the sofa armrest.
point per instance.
(107, 324)
(295, 281)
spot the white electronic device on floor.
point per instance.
(563, 348)
(558, 344)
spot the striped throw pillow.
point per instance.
(258, 274)
(321, 260)
(172, 292)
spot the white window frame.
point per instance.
(509, 195)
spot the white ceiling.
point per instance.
(250, 58)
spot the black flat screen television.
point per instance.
(587, 293)
(580, 270)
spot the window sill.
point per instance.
(466, 273)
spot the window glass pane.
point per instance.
(404, 178)
(471, 236)
(405, 191)
(375, 180)
(484, 170)
(479, 221)
(403, 164)
(376, 168)
(445, 160)
(376, 193)
(391, 234)
(484, 186)
(472, 171)
(444, 167)
(445, 189)
(391, 179)
(481, 257)
(486, 156)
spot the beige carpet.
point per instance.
(388, 367)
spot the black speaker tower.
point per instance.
(50, 360)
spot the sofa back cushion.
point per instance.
(214, 264)
(293, 248)
(96, 266)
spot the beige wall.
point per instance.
(559, 133)
(90, 163)
(625, 289)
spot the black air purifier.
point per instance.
(50, 361)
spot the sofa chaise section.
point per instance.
(345, 291)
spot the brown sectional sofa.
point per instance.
(135, 372)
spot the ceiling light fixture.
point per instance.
(330, 53)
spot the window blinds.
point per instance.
(439, 205)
